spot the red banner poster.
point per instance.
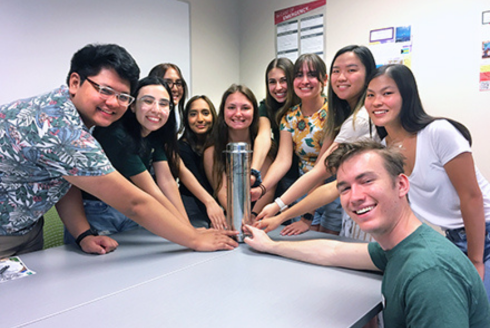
(291, 12)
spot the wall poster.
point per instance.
(391, 45)
(299, 30)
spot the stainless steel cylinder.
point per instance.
(238, 157)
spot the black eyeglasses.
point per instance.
(105, 92)
(178, 83)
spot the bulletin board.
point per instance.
(300, 29)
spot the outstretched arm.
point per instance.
(279, 167)
(214, 211)
(321, 251)
(303, 185)
(133, 202)
(209, 169)
(308, 180)
(145, 182)
(262, 145)
(167, 184)
(321, 196)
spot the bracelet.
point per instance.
(258, 177)
(280, 203)
(254, 213)
(264, 190)
(89, 232)
(308, 217)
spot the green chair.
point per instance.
(53, 229)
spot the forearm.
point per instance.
(322, 195)
(304, 184)
(191, 183)
(159, 220)
(327, 253)
(171, 191)
(275, 173)
(262, 144)
(71, 212)
(474, 222)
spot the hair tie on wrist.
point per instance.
(258, 177)
(264, 190)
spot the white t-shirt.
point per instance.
(432, 195)
(353, 130)
(358, 129)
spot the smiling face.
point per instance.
(348, 77)
(151, 108)
(93, 108)
(383, 101)
(239, 111)
(306, 84)
(277, 84)
(369, 194)
(177, 91)
(200, 118)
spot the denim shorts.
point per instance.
(103, 218)
(329, 216)
(458, 237)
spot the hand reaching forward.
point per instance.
(296, 228)
(214, 240)
(216, 215)
(259, 240)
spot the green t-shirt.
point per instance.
(429, 282)
(114, 141)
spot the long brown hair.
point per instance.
(275, 109)
(219, 136)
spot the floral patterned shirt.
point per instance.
(42, 139)
(307, 134)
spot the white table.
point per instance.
(150, 282)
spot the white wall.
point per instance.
(38, 38)
(445, 60)
(233, 41)
(215, 47)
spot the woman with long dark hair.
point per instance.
(237, 121)
(199, 118)
(446, 189)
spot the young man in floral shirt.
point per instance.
(47, 155)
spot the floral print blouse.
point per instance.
(307, 133)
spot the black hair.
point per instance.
(276, 110)
(159, 71)
(89, 61)
(190, 136)
(167, 134)
(339, 109)
(413, 117)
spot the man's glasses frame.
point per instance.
(105, 92)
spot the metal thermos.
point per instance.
(238, 156)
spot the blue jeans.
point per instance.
(103, 218)
(458, 237)
(329, 216)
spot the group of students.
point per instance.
(104, 150)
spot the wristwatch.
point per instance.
(89, 232)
